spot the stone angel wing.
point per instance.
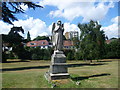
(53, 27)
(53, 34)
(62, 27)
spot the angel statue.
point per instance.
(57, 35)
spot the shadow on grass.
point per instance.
(16, 61)
(24, 68)
(87, 77)
(47, 66)
(104, 61)
(85, 64)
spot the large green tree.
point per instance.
(9, 9)
(14, 40)
(92, 40)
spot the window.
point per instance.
(32, 43)
(66, 47)
(43, 42)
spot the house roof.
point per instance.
(37, 43)
(108, 41)
(45, 43)
(68, 43)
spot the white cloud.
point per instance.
(38, 27)
(67, 27)
(70, 27)
(116, 20)
(84, 0)
(112, 30)
(24, 7)
(35, 26)
(75, 8)
(4, 27)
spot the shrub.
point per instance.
(35, 57)
(78, 56)
(70, 55)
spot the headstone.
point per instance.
(58, 66)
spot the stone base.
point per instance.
(58, 67)
(50, 76)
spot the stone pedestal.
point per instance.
(58, 67)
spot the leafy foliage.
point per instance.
(14, 40)
(41, 38)
(39, 54)
(92, 40)
(28, 37)
(76, 42)
(69, 54)
(113, 49)
(8, 14)
(78, 55)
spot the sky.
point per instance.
(39, 21)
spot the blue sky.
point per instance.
(43, 14)
(39, 21)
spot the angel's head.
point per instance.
(58, 22)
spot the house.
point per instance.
(107, 41)
(110, 40)
(68, 44)
(43, 44)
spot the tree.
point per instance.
(69, 54)
(92, 40)
(8, 14)
(14, 40)
(76, 42)
(41, 38)
(113, 49)
(78, 55)
(28, 37)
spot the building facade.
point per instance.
(71, 34)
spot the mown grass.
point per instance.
(102, 74)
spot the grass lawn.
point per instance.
(30, 74)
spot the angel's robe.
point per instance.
(58, 37)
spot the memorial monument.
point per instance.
(58, 66)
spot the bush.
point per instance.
(40, 54)
(35, 57)
(10, 55)
(78, 56)
(70, 54)
(4, 57)
(113, 50)
(47, 54)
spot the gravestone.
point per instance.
(58, 67)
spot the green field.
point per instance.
(30, 74)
